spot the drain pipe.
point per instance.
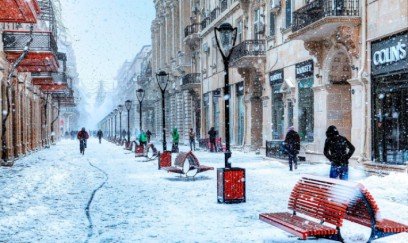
(363, 144)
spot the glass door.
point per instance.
(391, 124)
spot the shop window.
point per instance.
(290, 113)
(277, 113)
(391, 123)
(305, 110)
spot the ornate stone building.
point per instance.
(302, 63)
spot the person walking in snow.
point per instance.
(149, 135)
(338, 150)
(292, 146)
(176, 137)
(191, 138)
(212, 134)
(142, 138)
(99, 134)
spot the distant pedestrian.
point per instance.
(99, 134)
(292, 146)
(123, 134)
(148, 135)
(338, 150)
(176, 137)
(191, 138)
(212, 134)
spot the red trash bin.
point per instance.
(139, 150)
(164, 159)
(231, 185)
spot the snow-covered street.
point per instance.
(108, 195)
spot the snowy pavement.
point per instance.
(108, 195)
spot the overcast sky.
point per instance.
(105, 33)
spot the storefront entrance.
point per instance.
(391, 121)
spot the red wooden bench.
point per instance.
(190, 169)
(331, 201)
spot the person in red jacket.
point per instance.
(82, 137)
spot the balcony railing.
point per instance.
(192, 29)
(191, 78)
(17, 40)
(248, 48)
(320, 9)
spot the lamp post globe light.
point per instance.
(128, 105)
(163, 79)
(225, 36)
(140, 93)
(120, 109)
(115, 112)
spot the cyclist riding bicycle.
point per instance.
(82, 137)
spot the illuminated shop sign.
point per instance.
(276, 77)
(390, 54)
(304, 69)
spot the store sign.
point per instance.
(390, 54)
(304, 69)
(276, 77)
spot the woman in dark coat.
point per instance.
(212, 134)
(338, 150)
(292, 145)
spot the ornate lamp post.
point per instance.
(120, 109)
(128, 105)
(115, 112)
(233, 178)
(140, 93)
(163, 79)
(226, 35)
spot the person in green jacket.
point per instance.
(142, 138)
(176, 138)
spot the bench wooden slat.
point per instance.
(173, 169)
(296, 225)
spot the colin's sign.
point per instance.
(390, 55)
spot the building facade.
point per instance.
(307, 64)
(33, 78)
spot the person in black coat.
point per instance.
(99, 134)
(292, 146)
(338, 150)
(212, 134)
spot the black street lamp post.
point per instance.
(128, 105)
(163, 79)
(227, 36)
(120, 109)
(115, 112)
(228, 177)
(140, 93)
